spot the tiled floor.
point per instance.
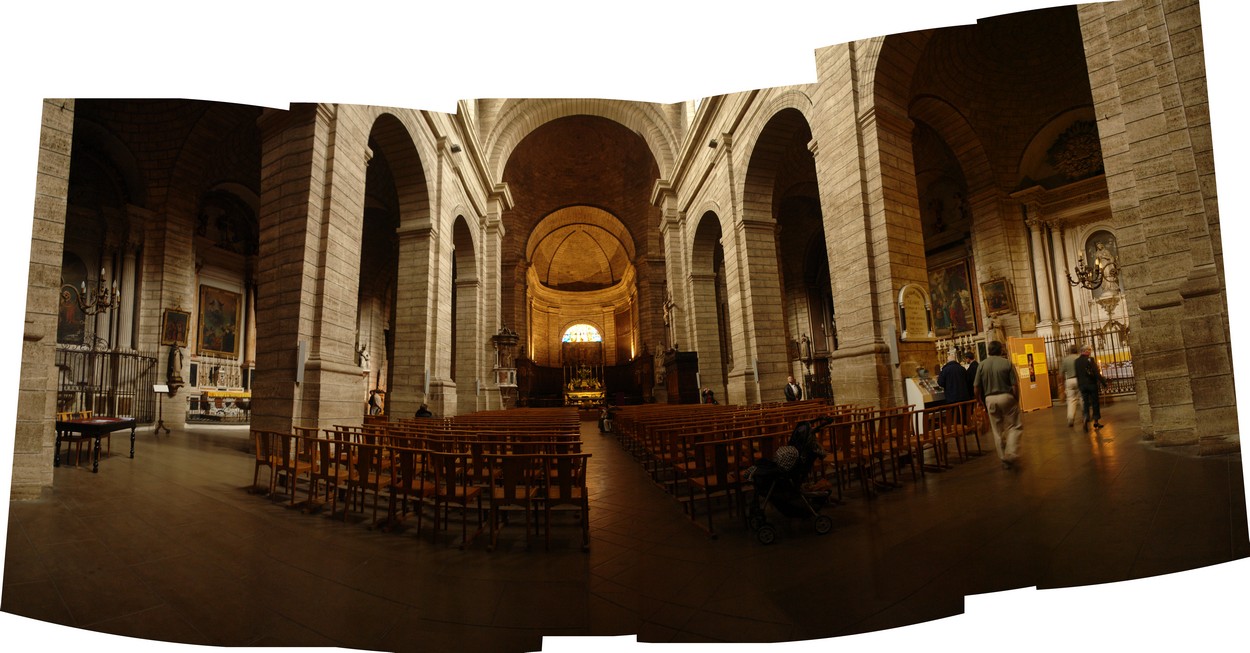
(171, 546)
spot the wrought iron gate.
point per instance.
(1111, 351)
(107, 383)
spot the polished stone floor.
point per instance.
(171, 546)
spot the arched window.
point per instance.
(582, 333)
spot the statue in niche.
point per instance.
(1105, 260)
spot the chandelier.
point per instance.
(1091, 277)
(101, 299)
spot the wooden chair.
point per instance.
(566, 489)
(411, 483)
(717, 473)
(329, 467)
(928, 436)
(514, 485)
(364, 475)
(293, 461)
(453, 488)
(71, 438)
(268, 453)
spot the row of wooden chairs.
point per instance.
(490, 478)
(707, 452)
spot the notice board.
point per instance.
(1028, 356)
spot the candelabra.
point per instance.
(1091, 277)
(101, 299)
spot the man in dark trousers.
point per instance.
(1089, 380)
(794, 391)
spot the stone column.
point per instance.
(1063, 289)
(498, 202)
(126, 286)
(1041, 283)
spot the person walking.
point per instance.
(996, 386)
(1071, 390)
(794, 391)
(1089, 380)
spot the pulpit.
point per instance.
(681, 374)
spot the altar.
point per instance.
(584, 387)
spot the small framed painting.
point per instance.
(174, 327)
(997, 295)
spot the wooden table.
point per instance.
(95, 428)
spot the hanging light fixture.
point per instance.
(102, 298)
(1091, 277)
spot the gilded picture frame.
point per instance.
(220, 312)
(175, 325)
(997, 295)
(950, 298)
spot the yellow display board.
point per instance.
(1028, 356)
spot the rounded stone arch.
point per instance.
(191, 169)
(708, 299)
(106, 151)
(517, 118)
(405, 149)
(704, 240)
(466, 335)
(464, 240)
(394, 154)
(900, 54)
(767, 146)
(955, 130)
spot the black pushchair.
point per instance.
(781, 482)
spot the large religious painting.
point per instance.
(219, 321)
(950, 294)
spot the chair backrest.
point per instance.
(566, 472)
(265, 445)
(513, 474)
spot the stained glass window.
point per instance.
(582, 333)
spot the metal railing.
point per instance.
(1111, 350)
(106, 382)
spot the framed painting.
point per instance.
(174, 327)
(71, 321)
(997, 294)
(219, 321)
(950, 297)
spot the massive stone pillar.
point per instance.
(312, 164)
(1150, 99)
(36, 399)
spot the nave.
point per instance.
(171, 546)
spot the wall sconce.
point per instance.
(712, 143)
(455, 149)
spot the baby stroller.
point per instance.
(782, 483)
